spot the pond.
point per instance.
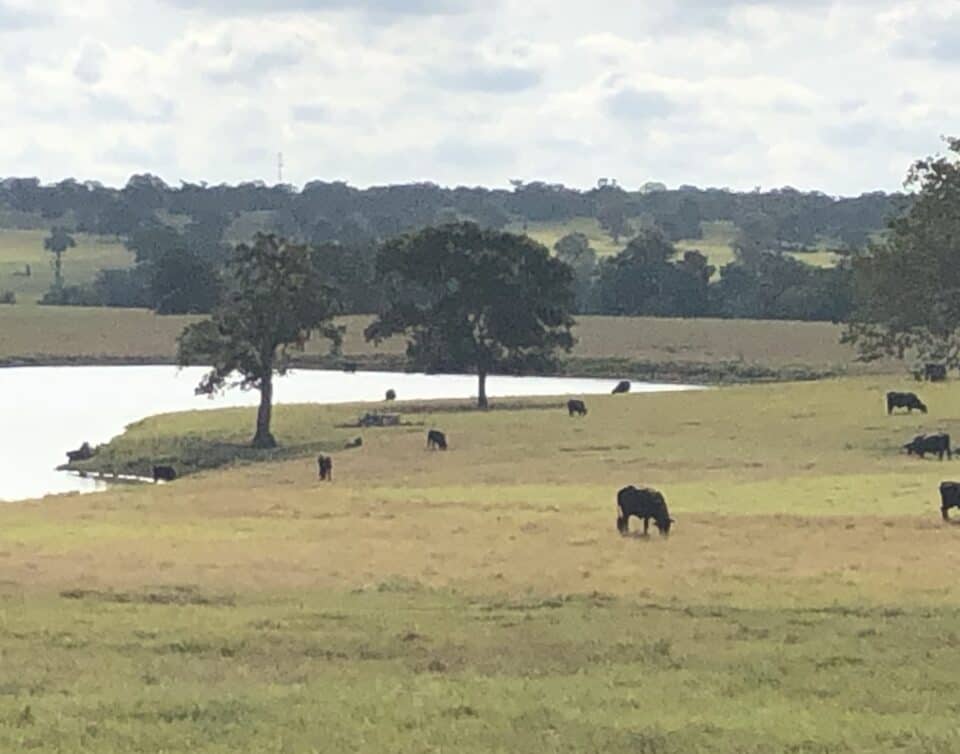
(47, 411)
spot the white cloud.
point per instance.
(839, 95)
(90, 64)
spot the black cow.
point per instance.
(325, 467)
(164, 473)
(83, 453)
(923, 444)
(949, 497)
(908, 401)
(643, 503)
(577, 407)
(622, 387)
(356, 442)
(934, 372)
(391, 395)
(436, 440)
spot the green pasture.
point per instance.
(19, 248)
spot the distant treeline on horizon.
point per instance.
(334, 211)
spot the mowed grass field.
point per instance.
(630, 346)
(80, 264)
(481, 600)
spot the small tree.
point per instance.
(57, 243)
(574, 249)
(474, 299)
(275, 300)
(613, 220)
(908, 286)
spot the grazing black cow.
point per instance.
(643, 503)
(949, 498)
(391, 395)
(164, 473)
(83, 453)
(325, 467)
(436, 440)
(908, 401)
(934, 372)
(923, 444)
(577, 407)
(622, 387)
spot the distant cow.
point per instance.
(923, 444)
(908, 401)
(391, 395)
(436, 440)
(622, 387)
(325, 468)
(577, 407)
(83, 453)
(934, 372)
(643, 503)
(356, 442)
(949, 498)
(164, 473)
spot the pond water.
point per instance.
(46, 411)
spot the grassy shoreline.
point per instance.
(671, 350)
(601, 368)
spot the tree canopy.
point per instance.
(908, 285)
(275, 300)
(473, 299)
(58, 242)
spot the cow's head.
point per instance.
(664, 525)
(622, 524)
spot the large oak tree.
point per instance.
(275, 300)
(473, 299)
(908, 285)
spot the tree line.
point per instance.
(181, 272)
(323, 212)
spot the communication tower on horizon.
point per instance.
(279, 167)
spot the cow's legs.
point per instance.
(943, 512)
(646, 525)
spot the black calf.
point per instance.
(436, 440)
(164, 473)
(643, 503)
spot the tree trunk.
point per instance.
(58, 270)
(482, 394)
(263, 438)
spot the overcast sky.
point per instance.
(836, 95)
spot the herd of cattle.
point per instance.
(645, 503)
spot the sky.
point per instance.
(833, 95)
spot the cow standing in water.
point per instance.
(643, 503)
(325, 468)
